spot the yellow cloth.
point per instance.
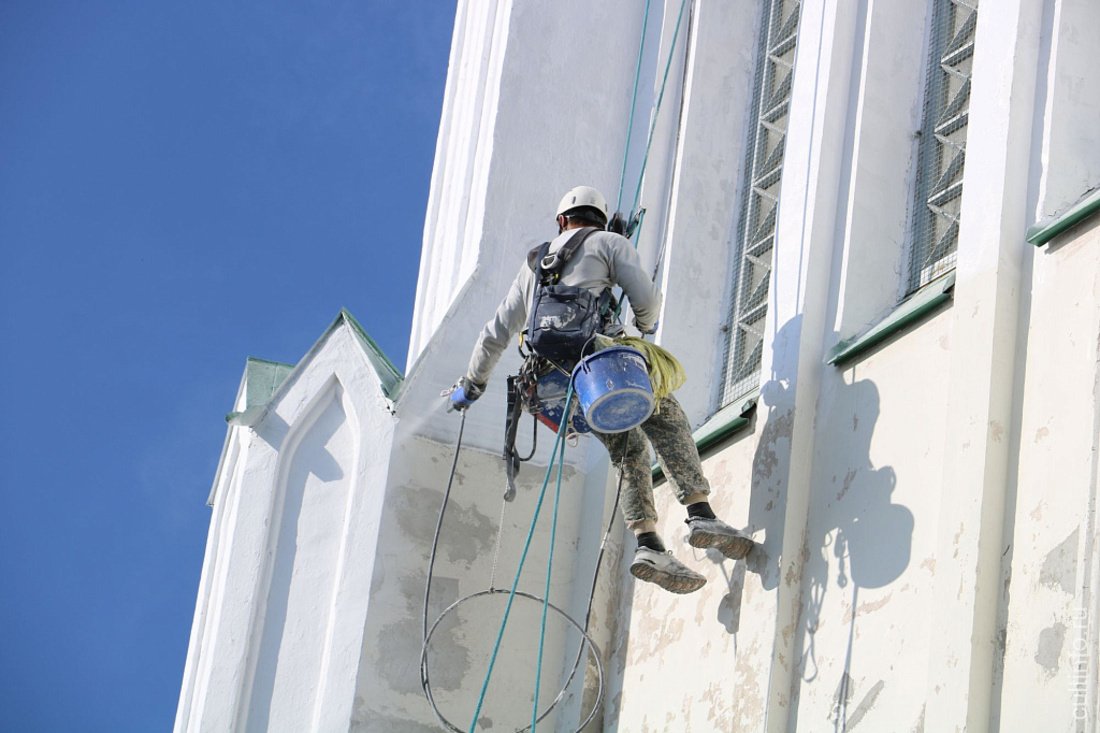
(666, 374)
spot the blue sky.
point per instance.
(182, 185)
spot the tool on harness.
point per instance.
(617, 223)
(623, 226)
(511, 456)
(563, 318)
(539, 390)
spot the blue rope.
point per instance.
(657, 108)
(633, 106)
(550, 559)
(522, 559)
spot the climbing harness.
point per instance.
(511, 456)
(587, 642)
(539, 389)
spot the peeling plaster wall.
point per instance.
(1050, 641)
(926, 513)
(695, 662)
(388, 687)
(870, 549)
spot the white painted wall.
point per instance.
(286, 581)
(1070, 88)
(464, 145)
(536, 103)
(926, 514)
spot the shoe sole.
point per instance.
(672, 583)
(735, 548)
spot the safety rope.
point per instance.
(633, 105)
(550, 557)
(569, 393)
(559, 445)
(585, 639)
(636, 215)
(657, 106)
(439, 525)
(496, 549)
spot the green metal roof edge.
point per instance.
(1041, 233)
(391, 377)
(909, 311)
(272, 362)
(258, 395)
(262, 378)
(719, 426)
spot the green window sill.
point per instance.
(912, 309)
(1040, 234)
(721, 425)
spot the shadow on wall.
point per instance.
(853, 524)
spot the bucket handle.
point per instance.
(590, 342)
(584, 365)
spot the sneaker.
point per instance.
(665, 570)
(719, 535)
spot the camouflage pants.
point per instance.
(669, 432)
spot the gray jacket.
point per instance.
(603, 261)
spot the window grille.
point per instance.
(942, 150)
(755, 236)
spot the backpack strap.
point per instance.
(548, 266)
(534, 257)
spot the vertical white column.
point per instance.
(984, 360)
(451, 229)
(801, 281)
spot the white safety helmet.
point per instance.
(583, 197)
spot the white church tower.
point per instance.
(877, 230)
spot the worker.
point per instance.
(597, 261)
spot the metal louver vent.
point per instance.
(763, 172)
(942, 152)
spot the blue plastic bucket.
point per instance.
(614, 389)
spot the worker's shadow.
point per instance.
(851, 514)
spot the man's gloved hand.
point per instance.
(647, 332)
(465, 393)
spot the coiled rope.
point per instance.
(582, 629)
